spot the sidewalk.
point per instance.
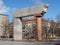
(24, 43)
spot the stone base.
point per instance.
(24, 43)
(30, 40)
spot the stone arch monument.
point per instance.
(24, 15)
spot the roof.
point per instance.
(3, 15)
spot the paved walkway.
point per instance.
(24, 43)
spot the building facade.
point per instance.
(3, 25)
(29, 30)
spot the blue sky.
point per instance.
(7, 7)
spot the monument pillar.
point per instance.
(39, 28)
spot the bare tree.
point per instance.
(58, 17)
(58, 25)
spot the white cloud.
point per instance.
(3, 8)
